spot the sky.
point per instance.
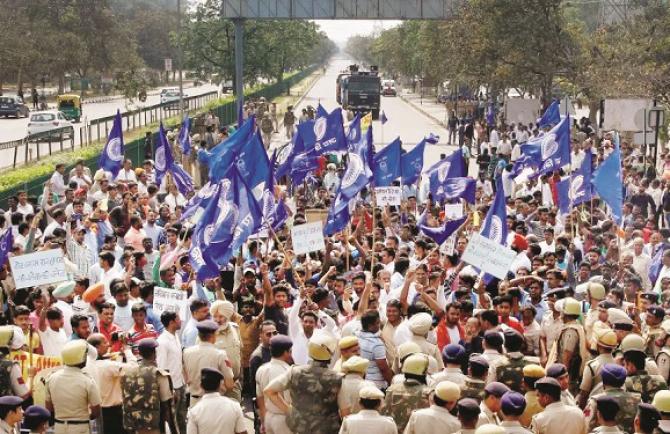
(341, 30)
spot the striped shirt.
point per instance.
(372, 348)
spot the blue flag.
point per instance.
(495, 223)
(252, 161)
(411, 163)
(111, 158)
(321, 112)
(6, 245)
(551, 116)
(452, 166)
(550, 151)
(432, 139)
(387, 164)
(182, 179)
(324, 134)
(457, 188)
(441, 233)
(358, 173)
(383, 118)
(608, 183)
(338, 216)
(196, 205)
(303, 164)
(164, 163)
(563, 190)
(184, 136)
(491, 114)
(581, 189)
(657, 263)
(274, 213)
(287, 154)
(221, 157)
(202, 253)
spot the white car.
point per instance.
(43, 121)
(171, 99)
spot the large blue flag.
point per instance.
(252, 161)
(608, 183)
(287, 154)
(441, 233)
(495, 223)
(387, 164)
(184, 136)
(358, 173)
(338, 215)
(221, 157)
(551, 116)
(550, 151)
(196, 205)
(111, 158)
(6, 245)
(411, 163)
(325, 134)
(274, 213)
(201, 252)
(452, 166)
(581, 189)
(321, 112)
(164, 163)
(182, 179)
(457, 188)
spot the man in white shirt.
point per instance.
(169, 358)
(123, 316)
(548, 244)
(24, 207)
(641, 262)
(51, 332)
(152, 230)
(300, 330)
(57, 181)
(57, 223)
(127, 173)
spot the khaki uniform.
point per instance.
(487, 416)
(432, 420)
(275, 420)
(368, 422)
(215, 414)
(5, 428)
(628, 403)
(455, 375)
(558, 418)
(533, 407)
(71, 393)
(203, 355)
(591, 379)
(514, 428)
(348, 398)
(402, 399)
(509, 370)
(571, 339)
(430, 350)
(590, 319)
(650, 335)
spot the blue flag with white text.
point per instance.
(549, 151)
(387, 164)
(457, 188)
(494, 226)
(252, 161)
(338, 216)
(274, 213)
(452, 166)
(358, 172)
(325, 134)
(551, 116)
(164, 163)
(411, 163)
(6, 245)
(441, 233)
(563, 190)
(196, 205)
(111, 158)
(221, 157)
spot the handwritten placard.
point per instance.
(39, 268)
(307, 238)
(388, 196)
(453, 211)
(169, 300)
(488, 256)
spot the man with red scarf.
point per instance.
(449, 329)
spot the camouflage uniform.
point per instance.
(6, 367)
(144, 388)
(644, 384)
(473, 389)
(402, 399)
(628, 403)
(510, 370)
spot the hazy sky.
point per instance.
(341, 30)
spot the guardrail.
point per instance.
(56, 136)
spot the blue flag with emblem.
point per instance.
(411, 163)
(452, 166)
(495, 223)
(608, 183)
(182, 179)
(203, 255)
(581, 189)
(196, 205)
(383, 118)
(111, 158)
(184, 136)
(387, 164)
(457, 188)
(6, 245)
(338, 215)
(491, 114)
(325, 134)
(252, 161)
(551, 116)
(287, 154)
(221, 157)
(274, 213)
(321, 111)
(358, 173)
(441, 233)
(549, 151)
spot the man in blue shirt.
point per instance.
(372, 348)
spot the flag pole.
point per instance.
(346, 244)
(374, 227)
(30, 356)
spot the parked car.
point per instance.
(50, 120)
(13, 105)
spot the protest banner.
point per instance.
(39, 268)
(453, 211)
(307, 238)
(488, 256)
(169, 300)
(388, 196)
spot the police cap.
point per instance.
(479, 360)
(280, 343)
(556, 292)
(513, 338)
(656, 311)
(613, 374)
(370, 392)
(453, 353)
(447, 391)
(211, 374)
(468, 408)
(10, 401)
(651, 296)
(533, 371)
(356, 364)
(496, 389)
(207, 326)
(649, 412)
(662, 401)
(557, 370)
(608, 406)
(513, 403)
(147, 344)
(348, 342)
(493, 338)
(548, 385)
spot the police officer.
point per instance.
(653, 329)
(663, 356)
(661, 403)
(606, 343)
(437, 418)
(509, 370)
(475, 382)
(571, 349)
(368, 420)
(490, 428)
(647, 419)
(354, 370)
(205, 355)
(452, 356)
(606, 411)
(11, 378)
(595, 293)
(420, 324)
(313, 388)
(638, 379)
(560, 373)
(468, 415)
(512, 406)
(147, 394)
(490, 405)
(228, 339)
(613, 377)
(348, 346)
(289, 122)
(411, 394)
(272, 417)
(36, 419)
(267, 127)
(213, 413)
(71, 393)
(557, 418)
(531, 373)
(11, 413)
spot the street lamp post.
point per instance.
(179, 61)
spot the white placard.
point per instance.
(453, 211)
(307, 238)
(40, 268)
(170, 300)
(488, 256)
(391, 196)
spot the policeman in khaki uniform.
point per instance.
(313, 389)
(595, 293)
(348, 346)
(531, 373)
(11, 377)
(606, 411)
(411, 394)
(570, 348)
(354, 370)
(215, 413)
(635, 360)
(437, 418)
(11, 414)
(591, 379)
(512, 406)
(663, 356)
(274, 420)
(490, 406)
(661, 403)
(560, 373)
(653, 331)
(613, 377)
(452, 356)
(468, 415)
(368, 420)
(557, 418)
(205, 355)
(70, 393)
(509, 370)
(228, 339)
(490, 428)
